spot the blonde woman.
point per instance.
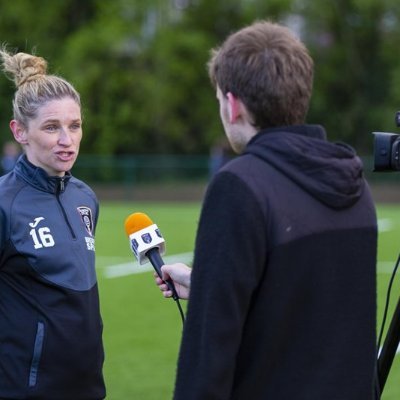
(50, 324)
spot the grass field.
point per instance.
(142, 330)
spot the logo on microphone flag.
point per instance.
(134, 246)
(146, 237)
(158, 233)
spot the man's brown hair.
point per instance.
(269, 69)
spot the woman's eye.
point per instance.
(51, 128)
(75, 127)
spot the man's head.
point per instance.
(269, 70)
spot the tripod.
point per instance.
(389, 348)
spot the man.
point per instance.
(282, 300)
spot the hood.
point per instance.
(330, 172)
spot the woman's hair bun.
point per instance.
(23, 67)
(29, 68)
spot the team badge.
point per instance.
(146, 237)
(86, 215)
(134, 245)
(158, 233)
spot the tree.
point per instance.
(352, 80)
(140, 66)
(39, 26)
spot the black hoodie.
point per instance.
(331, 172)
(283, 295)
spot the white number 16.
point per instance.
(42, 238)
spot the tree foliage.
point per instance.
(353, 74)
(140, 65)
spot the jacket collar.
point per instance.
(38, 177)
(309, 130)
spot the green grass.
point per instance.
(388, 252)
(142, 330)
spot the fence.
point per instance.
(181, 177)
(145, 177)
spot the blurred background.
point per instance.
(150, 114)
(152, 133)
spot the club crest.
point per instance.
(86, 215)
(146, 237)
(158, 233)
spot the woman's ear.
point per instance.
(19, 132)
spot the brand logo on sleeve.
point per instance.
(86, 216)
(35, 222)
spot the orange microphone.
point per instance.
(147, 244)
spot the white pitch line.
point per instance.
(133, 267)
(385, 225)
(124, 269)
(118, 270)
(385, 267)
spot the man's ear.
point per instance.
(234, 107)
(19, 132)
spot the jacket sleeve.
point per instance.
(2, 230)
(230, 256)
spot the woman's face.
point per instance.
(51, 140)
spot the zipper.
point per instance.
(59, 190)
(61, 186)
(37, 354)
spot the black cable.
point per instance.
(175, 296)
(180, 309)
(387, 302)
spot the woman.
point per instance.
(50, 325)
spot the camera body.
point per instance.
(387, 149)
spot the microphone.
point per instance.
(147, 244)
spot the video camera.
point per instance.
(387, 149)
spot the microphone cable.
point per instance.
(176, 298)
(180, 309)
(388, 301)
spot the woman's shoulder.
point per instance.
(82, 187)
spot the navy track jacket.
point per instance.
(50, 325)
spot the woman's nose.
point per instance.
(65, 137)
